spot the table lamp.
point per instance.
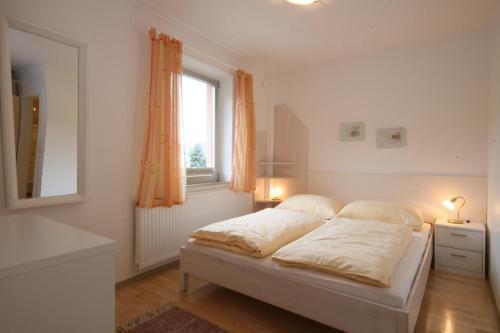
(276, 194)
(450, 204)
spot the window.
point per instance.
(199, 107)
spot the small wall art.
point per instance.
(352, 131)
(391, 137)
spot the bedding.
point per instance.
(259, 234)
(383, 211)
(322, 207)
(365, 251)
(395, 296)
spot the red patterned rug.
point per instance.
(169, 319)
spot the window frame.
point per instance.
(196, 176)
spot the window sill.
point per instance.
(207, 187)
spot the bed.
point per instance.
(329, 299)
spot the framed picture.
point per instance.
(352, 131)
(391, 137)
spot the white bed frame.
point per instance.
(333, 308)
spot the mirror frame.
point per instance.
(7, 117)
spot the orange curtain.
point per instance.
(244, 161)
(163, 173)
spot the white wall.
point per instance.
(437, 91)
(494, 163)
(118, 59)
(264, 85)
(423, 191)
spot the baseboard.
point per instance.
(148, 272)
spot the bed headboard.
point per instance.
(425, 192)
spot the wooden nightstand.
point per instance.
(263, 204)
(460, 248)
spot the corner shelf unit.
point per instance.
(268, 201)
(268, 180)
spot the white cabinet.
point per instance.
(54, 278)
(460, 248)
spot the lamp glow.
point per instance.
(450, 204)
(302, 2)
(276, 193)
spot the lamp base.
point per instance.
(456, 221)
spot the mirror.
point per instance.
(42, 116)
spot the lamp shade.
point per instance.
(276, 193)
(450, 204)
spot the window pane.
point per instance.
(198, 102)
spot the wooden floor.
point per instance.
(451, 304)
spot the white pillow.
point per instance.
(322, 207)
(383, 211)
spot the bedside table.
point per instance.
(262, 204)
(460, 248)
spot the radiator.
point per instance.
(160, 232)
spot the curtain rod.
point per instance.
(211, 58)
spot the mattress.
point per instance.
(394, 296)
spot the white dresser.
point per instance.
(54, 278)
(460, 248)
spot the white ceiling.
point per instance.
(276, 33)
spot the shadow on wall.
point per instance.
(291, 143)
(287, 173)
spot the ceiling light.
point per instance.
(302, 2)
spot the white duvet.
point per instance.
(366, 251)
(259, 234)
